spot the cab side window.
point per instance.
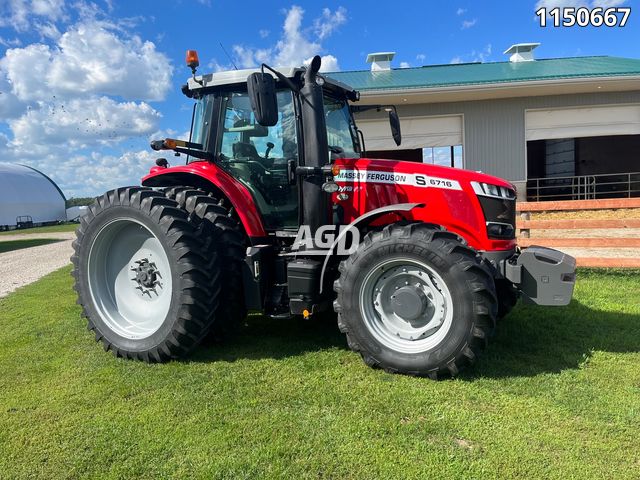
(258, 156)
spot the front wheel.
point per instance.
(414, 299)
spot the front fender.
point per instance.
(363, 221)
(207, 175)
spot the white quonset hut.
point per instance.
(27, 195)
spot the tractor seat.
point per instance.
(245, 150)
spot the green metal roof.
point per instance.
(488, 73)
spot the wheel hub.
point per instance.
(147, 276)
(409, 302)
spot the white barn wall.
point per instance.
(25, 191)
(494, 130)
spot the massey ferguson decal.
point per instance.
(415, 179)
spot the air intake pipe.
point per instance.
(315, 212)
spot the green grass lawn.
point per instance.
(557, 395)
(63, 227)
(10, 245)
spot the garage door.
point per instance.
(583, 122)
(417, 132)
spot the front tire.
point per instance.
(141, 276)
(414, 299)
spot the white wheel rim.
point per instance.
(129, 278)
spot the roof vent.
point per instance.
(521, 52)
(380, 61)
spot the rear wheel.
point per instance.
(414, 299)
(224, 239)
(141, 276)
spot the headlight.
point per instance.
(493, 191)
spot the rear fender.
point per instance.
(210, 177)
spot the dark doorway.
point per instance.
(583, 168)
(413, 155)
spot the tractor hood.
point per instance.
(369, 170)
(464, 202)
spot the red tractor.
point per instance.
(279, 210)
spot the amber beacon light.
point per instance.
(192, 60)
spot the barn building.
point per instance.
(559, 129)
(28, 197)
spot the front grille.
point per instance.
(500, 217)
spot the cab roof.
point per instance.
(235, 77)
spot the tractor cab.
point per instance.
(264, 158)
(310, 125)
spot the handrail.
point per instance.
(585, 187)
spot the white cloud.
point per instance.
(551, 4)
(9, 43)
(78, 92)
(94, 173)
(296, 44)
(18, 14)
(264, 33)
(469, 23)
(405, 65)
(608, 3)
(89, 58)
(329, 21)
(329, 63)
(82, 122)
(14, 13)
(461, 11)
(482, 55)
(48, 30)
(214, 66)
(10, 105)
(51, 9)
(421, 57)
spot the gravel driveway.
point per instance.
(24, 266)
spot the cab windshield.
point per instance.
(341, 129)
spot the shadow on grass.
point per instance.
(11, 245)
(263, 337)
(534, 340)
(529, 341)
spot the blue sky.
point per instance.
(85, 85)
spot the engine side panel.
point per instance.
(447, 194)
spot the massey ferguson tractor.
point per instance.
(279, 210)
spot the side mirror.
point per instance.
(262, 94)
(394, 122)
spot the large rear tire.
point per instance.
(414, 299)
(222, 235)
(144, 283)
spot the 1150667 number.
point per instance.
(584, 17)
